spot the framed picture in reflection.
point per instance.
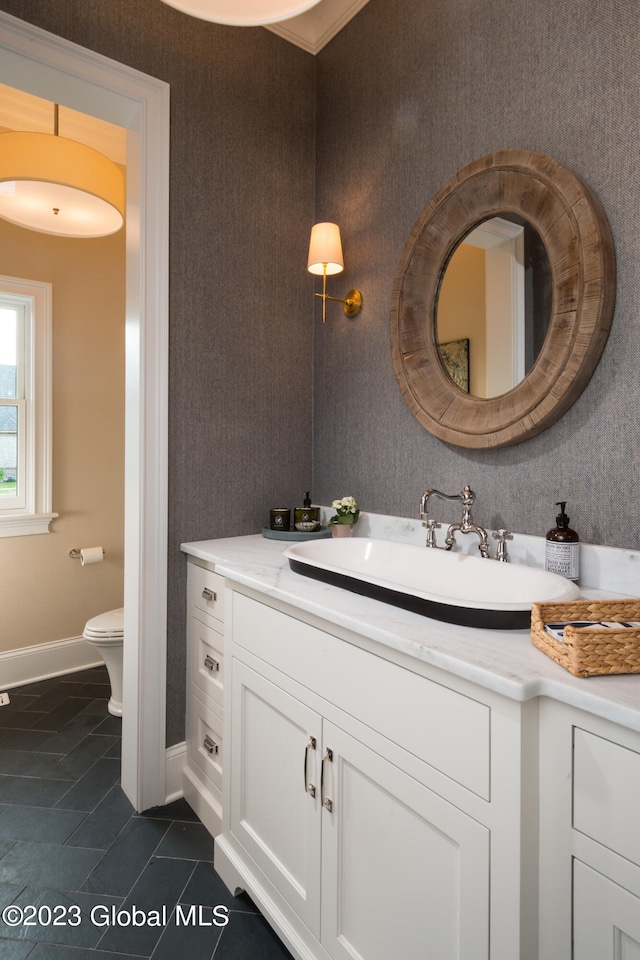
(455, 357)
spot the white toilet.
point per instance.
(106, 633)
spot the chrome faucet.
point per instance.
(431, 525)
(466, 525)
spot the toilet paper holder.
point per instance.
(76, 554)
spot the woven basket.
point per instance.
(586, 652)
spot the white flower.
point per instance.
(345, 508)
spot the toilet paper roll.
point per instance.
(91, 555)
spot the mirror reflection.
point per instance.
(494, 305)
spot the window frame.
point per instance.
(34, 515)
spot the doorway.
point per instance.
(48, 66)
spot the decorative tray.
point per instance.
(295, 534)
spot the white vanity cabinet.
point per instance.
(589, 837)
(202, 775)
(384, 856)
(394, 787)
(370, 810)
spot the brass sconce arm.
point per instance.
(352, 303)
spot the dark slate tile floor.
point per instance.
(84, 877)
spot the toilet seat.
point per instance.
(106, 626)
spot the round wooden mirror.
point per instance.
(574, 230)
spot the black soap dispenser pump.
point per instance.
(562, 548)
(306, 513)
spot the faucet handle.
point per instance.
(502, 536)
(431, 527)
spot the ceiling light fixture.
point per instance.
(59, 186)
(243, 13)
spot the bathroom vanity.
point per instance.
(384, 784)
(202, 776)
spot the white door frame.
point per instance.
(503, 243)
(47, 66)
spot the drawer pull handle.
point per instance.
(327, 803)
(210, 595)
(309, 787)
(210, 745)
(210, 663)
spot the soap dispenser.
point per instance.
(562, 548)
(306, 513)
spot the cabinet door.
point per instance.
(606, 918)
(405, 874)
(275, 813)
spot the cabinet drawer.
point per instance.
(205, 591)
(206, 658)
(445, 729)
(606, 793)
(205, 740)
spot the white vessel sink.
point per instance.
(446, 586)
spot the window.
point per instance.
(25, 407)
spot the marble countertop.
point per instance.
(503, 661)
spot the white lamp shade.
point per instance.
(325, 249)
(243, 13)
(59, 186)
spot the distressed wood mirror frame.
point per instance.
(575, 232)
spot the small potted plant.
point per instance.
(345, 517)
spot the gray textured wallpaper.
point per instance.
(265, 401)
(241, 208)
(407, 95)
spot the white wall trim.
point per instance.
(26, 526)
(204, 804)
(314, 29)
(48, 66)
(175, 761)
(31, 664)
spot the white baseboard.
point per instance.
(201, 800)
(175, 759)
(30, 664)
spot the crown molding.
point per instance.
(314, 29)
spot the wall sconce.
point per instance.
(325, 259)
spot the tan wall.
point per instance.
(44, 595)
(461, 310)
